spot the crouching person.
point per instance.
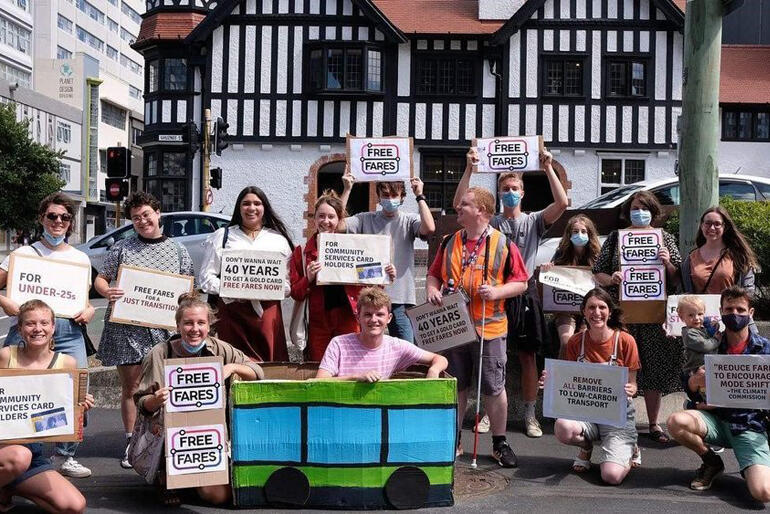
(194, 318)
(371, 355)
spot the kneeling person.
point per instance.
(371, 355)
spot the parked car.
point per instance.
(746, 188)
(189, 228)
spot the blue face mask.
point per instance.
(53, 241)
(579, 239)
(194, 350)
(511, 198)
(390, 204)
(641, 217)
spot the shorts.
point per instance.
(39, 464)
(527, 327)
(463, 360)
(617, 443)
(749, 447)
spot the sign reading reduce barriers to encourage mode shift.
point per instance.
(738, 381)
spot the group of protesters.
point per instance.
(363, 333)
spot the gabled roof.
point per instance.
(745, 75)
(669, 7)
(437, 16)
(167, 26)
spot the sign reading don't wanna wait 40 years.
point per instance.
(738, 381)
(441, 327)
(353, 259)
(252, 275)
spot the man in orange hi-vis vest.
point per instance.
(479, 261)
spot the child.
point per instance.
(699, 338)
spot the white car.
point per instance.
(745, 188)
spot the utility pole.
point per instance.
(206, 153)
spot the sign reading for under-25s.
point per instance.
(150, 297)
(438, 328)
(353, 259)
(381, 159)
(506, 154)
(252, 275)
(585, 392)
(738, 381)
(62, 285)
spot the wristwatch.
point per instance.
(421, 197)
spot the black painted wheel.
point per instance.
(407, 488)
(287, 486)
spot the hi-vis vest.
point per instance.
(496, 324)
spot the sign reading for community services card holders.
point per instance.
(585, 392)
(380, 159)
(150, 297)
(509, 154)
(62, 285)
(37, 405)
(576, 280)
(353, 259)
(440, 328)
(194, 387)
(674, 323)
(643, 283)
(196, 449)
(640, 247)
(252, 275)
(559, 300)
(738, 381)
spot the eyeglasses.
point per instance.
(715, 224)
(66, 218)
(143, 216)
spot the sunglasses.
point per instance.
(66, 218)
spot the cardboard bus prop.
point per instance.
(380, 159)
(341, 444)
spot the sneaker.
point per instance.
(72, 468)
(124, 462)
(483, 425)
(716, 449)
(459, 450)
(532, 427)
(705, 476)
(504, 456)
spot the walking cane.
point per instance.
(481, 357)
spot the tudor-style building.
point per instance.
(599, 79)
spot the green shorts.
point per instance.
(750, 447)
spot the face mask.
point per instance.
(735, 322)
(390, 204)
(579, 239)
(194, 350)
(511, 198)
(640, 217)
(53, 241)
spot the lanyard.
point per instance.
(469, 260)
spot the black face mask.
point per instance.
(735, 322)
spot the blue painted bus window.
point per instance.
(267, 433)
(343, 435)
(408, 441)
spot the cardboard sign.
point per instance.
(643, 283)
(353, 258)
(252, 275)
(194, 387)
(196, 437)
(380, 159)
(738, 381)
(440, 328)
(509, 154)
(41, 405)
(151, 297)
(559, 300)
(585, 392)
(674, 325)
(569, 278)
(639, 247)
(63, 285)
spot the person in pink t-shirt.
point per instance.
(371, 355)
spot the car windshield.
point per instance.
(611, 196)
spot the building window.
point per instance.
(90, 10)
(112, 53)
(113, 25)
(626, 78)
(128, 11)
(63, 53)
(127, 36)
(746, 124)
(166, 178)
(12, 74)
(113, 2)
(113, 116)
(617, 172)
(65, 171)
(152, 76)
(441, 172)
(89, 39)
(445, 75)
(136, 133)
(63, 132)
(562, 76)
(130, 64)
(64, 24)
(15, 36)
(175, 74)
(134, 92)
(21, 4)
(345, 69)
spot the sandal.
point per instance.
(657, 435)
(582, 462)
(636, 457)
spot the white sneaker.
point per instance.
(124, 462)
(72, 468)
(532, 427)
(483, 425)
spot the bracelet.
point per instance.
(419, 198)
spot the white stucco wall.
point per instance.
(744, 158)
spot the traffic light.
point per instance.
(118, 162)
(191, 136)
(220, 135)
(215, 180)
(116, 188)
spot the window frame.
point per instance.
(324, 47)
(418, 63)
(114, 108)
(563, 58)
(622, 157)
(754, 111)
(159, 84)
(154, 183)
(446, 194)
(629, 60)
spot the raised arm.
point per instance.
(471, 160)
(560, 201)
(427, 225)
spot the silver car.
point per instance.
(188, 228)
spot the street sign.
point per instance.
(170, 137)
